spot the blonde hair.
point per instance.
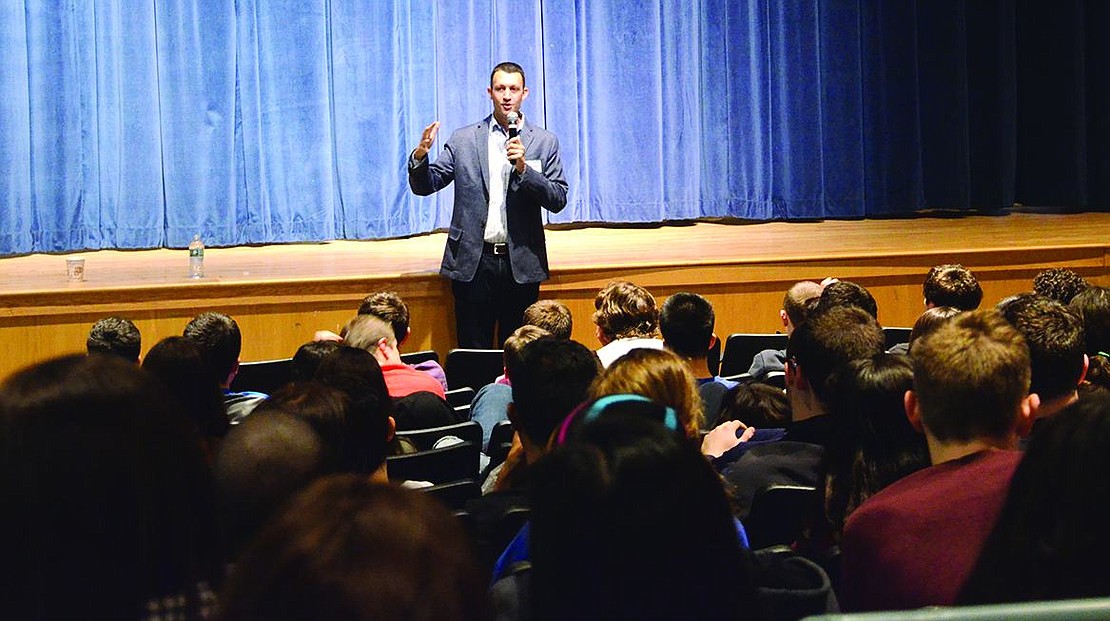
(659, 375)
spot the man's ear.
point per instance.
(784, 317)
(391, 430)
(712, 341)
(1027, 413)
(1086, 367)
(913, 411)
(795, 378)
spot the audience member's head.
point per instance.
(116, 336)
(390, 308)
(222, 342)
(373, 334)
(971, 381)
(1059, 283)
(629, 521)
(845, 293)
(551, 315)
(874, 444)
(179, 364)
(1054, 335)
(107, 499)
(551, 379)
(370, 424)
(930, 320)
(624, 310)
(658, 375)
(798, 302)
(756, 405)
(1093, 306)
(1048, 542)
(308, 357)
(262, 463)
(952, 285)
(350, 549)
(514, 345)
(686, 323)
(324, 407)
(828, 341)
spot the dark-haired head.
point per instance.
(756, 405)
(1093, 306)
(625, 310)
(830, 339)
(1054, 335)
(1048, 542)
(846, 293)
(308, 357)
(222, 342)
(552, 378)
(116, 336)
(873, 444)
(180, 365)
(324, 407)
(630, 521)
(508, 67)
(952, 285)
(358, 374)
(390, 308)
(1059, 283)
(347, 549)
(686, 323)
(930, 320)
(108, 501)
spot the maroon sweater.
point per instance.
(914, 543)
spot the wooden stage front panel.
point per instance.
(281, 294)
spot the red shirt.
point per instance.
(914, 543)
(402, 380)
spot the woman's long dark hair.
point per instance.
(1050, 539)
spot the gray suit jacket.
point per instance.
(465, 161)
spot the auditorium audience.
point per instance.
(307, 359)
(758, 405)
(686, 323)
(1049, 540)
(796, 305)
(389, 307)
(928, 321)
(108, 509)
(357, 374)
(373, 334)
(625, 318)
(551, 315)
(350, 549)
(1054, 335)
(219, 337)
(116, 336)
(846, 293)
(952, 285)
(914, 543)
(1059, 283)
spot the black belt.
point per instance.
(501, 248)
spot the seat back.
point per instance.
(454, 494)
(460, 396)
(1061, 610)
(417, 357)
(264, 376)
(473, 368)
(425, 439)
(895, 336)
(500, 441)
(740, 348)
(776, 379)
(443, 465)
(778, 514)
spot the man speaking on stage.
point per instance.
(505, 171)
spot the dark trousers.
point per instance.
(493, 298)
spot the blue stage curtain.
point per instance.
(135, 124)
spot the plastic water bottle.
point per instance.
(196, 258)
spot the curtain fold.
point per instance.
(140, 124)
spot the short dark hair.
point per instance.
(1093, 306)
(180, 365)
(686, 322)
(799, 300)
(308, 357)
(756, 404)
(116, 336)
(1054, 335)
(551, 315)
(830, 340)
(625, 310)
(930, 320)
(326, 408)
(843, 292)
(952, 285)
(552, 378)
(509, 67)
(389, 307)
(349, 548)
(357, 373)
(221, 340)
(1059, 283)
(970, 376)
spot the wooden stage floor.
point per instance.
(282, 293)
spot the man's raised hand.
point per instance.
(426, 140)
